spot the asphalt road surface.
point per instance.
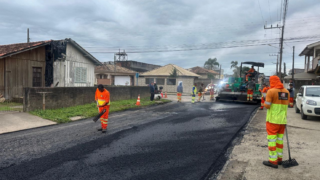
(171, 141)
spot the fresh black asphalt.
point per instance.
(171, 141)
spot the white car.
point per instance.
(308, 101)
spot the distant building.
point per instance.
(162, 77)
(137, 66)
(107, 74)
(296, 71)
(61, 63)
(203, 73)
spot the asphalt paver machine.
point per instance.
(236, 88)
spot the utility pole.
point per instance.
(284, 69)
(282, 33)
(292, 65)
(28, 39)
(220, 72)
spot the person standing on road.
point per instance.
(291, 91)
(151, 92)
(200, 92)
(263, 95)
(277, 101)
(102, 97)
(179, 91)
(155, 88)
(211, 92)
(194, 92)
(251, 86)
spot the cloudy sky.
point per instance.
(182, 32)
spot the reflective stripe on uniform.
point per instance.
(280, 139)
(274, 157)
(268, 103)
(272, 140)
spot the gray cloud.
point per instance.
(162, 24)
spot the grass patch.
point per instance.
(63, 115)
(10, 106)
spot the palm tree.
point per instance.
(234, 64)
(236, 71)
(211, 63)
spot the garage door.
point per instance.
(122, 80)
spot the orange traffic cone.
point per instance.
(165, 96)
(138, 101)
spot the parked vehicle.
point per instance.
(308, 101)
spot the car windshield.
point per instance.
(313, 91)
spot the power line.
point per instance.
(261, 12)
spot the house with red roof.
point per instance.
(52, 63)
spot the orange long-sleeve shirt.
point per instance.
(102, 98)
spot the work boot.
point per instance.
(280, 163)
(104, 130)
(99, 129)
(267, 163)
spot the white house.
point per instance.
(76, 68)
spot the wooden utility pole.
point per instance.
(220, 72)
(28, 39)
(282, 33)
(292, 65)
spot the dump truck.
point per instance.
(236, 88)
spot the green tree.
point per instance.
(210, 76)
(234, 64)
(211, 63)
(244, 69)
(174, 72)
(235, 67)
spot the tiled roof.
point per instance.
(167, 70)
(10, 49)
(200, 70)
(109, 68)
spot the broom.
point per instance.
(290, 162)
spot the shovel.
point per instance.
(290, 162)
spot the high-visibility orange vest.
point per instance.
(102, 97)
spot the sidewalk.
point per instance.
(15, 121)
(246, 158)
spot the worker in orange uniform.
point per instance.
(211, 92)
(200, 92)
(291, 91)
(103, 103)
(252, 70)
(250, 86)
(277, 101)
(264, 94)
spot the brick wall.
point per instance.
(72, 96)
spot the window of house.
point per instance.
(160, 81)
(80, 75)
(318, 53)
(36, 77)
(171, 81)
(149, 80)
